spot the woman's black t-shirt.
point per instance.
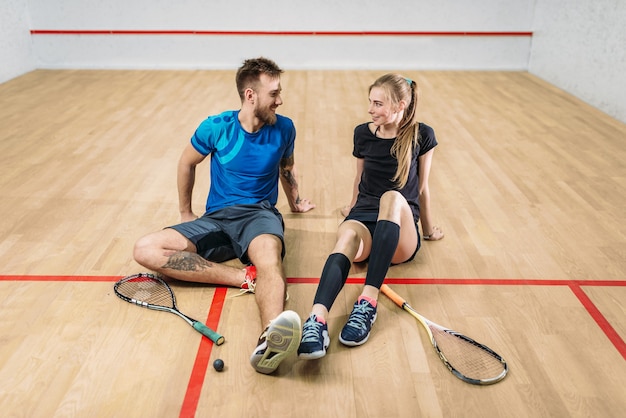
(380, 166)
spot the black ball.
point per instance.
(218, 364)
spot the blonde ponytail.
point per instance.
(399, 88)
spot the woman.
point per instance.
(394, 154)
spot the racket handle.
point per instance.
(396, 298)
(208, 332)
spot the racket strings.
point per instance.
(147, 290)
(468, 358)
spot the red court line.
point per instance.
(574, 285)
(196, 380)
(30, 278)
(602, 322)
(354, 280)
(475, 281)
(281, 33)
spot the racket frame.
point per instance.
(213, 335)
(427, 324)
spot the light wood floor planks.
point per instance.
(528, 183)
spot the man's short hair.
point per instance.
(249, 73)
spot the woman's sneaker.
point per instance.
(278, 340)
(357, 329)
(315, 339)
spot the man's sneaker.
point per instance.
(278, 340)
(315, 339)
(357, 329)
(250, 281)
(249, 284)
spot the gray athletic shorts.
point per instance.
(226, 234)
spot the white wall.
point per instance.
(580, 47)
(209, 51)
(16, 54)
(577, 45)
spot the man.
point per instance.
(250, 150)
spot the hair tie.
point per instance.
(408, 80)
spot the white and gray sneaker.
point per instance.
(279, 340)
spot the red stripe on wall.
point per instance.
(278, 33)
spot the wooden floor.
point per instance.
(528, 183)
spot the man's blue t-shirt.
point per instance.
(244, 166)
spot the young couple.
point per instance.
(251, 150)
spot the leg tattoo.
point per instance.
(186, 261)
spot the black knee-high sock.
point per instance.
(384, 244)
(333, 278)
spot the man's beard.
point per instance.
(265, 115)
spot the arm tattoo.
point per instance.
(186, 261)
(285, 170)
(288, 175)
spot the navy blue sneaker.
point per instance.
(315, 339)
(357, 329)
